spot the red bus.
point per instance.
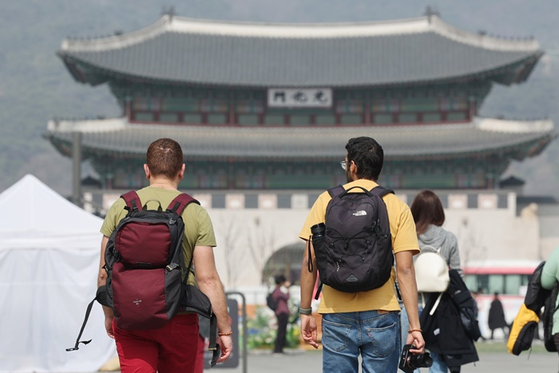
(509, 278)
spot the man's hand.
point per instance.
(308, 330)
(416, 340)
(226, 344)
(109, 326)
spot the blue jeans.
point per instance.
(439, 365)
(347, 335)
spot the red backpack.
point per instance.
(144, 262)
(145, 268)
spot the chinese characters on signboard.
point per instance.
(307, 97)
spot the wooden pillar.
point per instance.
(231, 110)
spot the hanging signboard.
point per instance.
(304, 97)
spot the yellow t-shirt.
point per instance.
(404, 238)
(198, 228)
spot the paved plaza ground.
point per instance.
(493, 359)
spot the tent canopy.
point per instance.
(49, 259)
(31, 211)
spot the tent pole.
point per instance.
(76, 168)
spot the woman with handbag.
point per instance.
(428, 214)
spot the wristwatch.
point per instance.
(305, 311)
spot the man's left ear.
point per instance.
(146, 170)
(181, 172)
(353, 167)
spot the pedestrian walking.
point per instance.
(281, 297)
(496, 318)
(428, 214)
(362, 323)
(173, 347)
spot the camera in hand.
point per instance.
(410, 362)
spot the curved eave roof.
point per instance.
(481, 137)
(188, 51)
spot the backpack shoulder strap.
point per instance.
(180, 202)
(378, 190)
(336, 191)
(431, 249)
(132, 200)
(318, 290)
(87, 312)
(213, 345)
(381, 191)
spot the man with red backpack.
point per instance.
(174, 346)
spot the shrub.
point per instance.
(262, 331)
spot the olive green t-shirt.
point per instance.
(198, 228)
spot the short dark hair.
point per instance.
(426, 209)
(279, 279)
(368, 156)
(164, 158)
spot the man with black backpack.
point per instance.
(171, 345)
(353, 233)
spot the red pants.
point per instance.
(199, 368)
(171, 349)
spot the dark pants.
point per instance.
(283, 318)
(506, 331)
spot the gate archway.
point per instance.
(285, 261)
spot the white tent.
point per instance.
(49, 258)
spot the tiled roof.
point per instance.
(269, 55)
(481, 136)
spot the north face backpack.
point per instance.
(431, 271)
(145, 268)
(353, 247)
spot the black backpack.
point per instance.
(550, 306)
(525, 324)
(353, 247)
(270, 301)
(538, 297)
(466, 305)
(146, 269)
